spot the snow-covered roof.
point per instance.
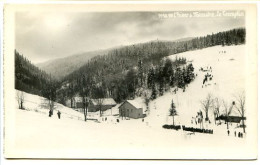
(234, 112)
(135, 103)
(78, 99)
(105, 101)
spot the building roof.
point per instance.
(234, 112)
(135, 103)
(78, 99)
(105, 101)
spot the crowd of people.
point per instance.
(239, 134)
(208, 76)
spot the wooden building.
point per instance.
(234, 117)
(131, 109)
(105, 103)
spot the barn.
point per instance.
(105, 103)
(76, 102)
(233, 117)
(131, 109)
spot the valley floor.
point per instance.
(38, 135)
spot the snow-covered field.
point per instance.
(37, 135)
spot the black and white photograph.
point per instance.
(122, 81)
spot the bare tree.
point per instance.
(85, 102)
(71, 94)
(20, 99)
(207, 104)
(216, 106)
(240, 99)
(200, 118)
(227, 110)
(98, 94)
(99, 104)
(84, 93)
(49, 92)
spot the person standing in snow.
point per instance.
(50, 113)
(59, 113)
(228, 132)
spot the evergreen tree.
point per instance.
(131, 81)
(180, 78)
(154, 91)
(190, 73)
(173, 111)
(167, 72)
(150, 78)
(140, 71)
(161, 79)
(172, 79)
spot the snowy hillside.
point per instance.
(36, 132)
(227, 63)
(39, 105)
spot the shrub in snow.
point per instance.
(175, 127)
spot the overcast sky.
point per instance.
(44, 36)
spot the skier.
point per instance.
(59, 113)
(228, 132)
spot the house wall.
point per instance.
(128, 110)
(95, 108)
(234, 119)
(79, 105)
(68, 103)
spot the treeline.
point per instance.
(168, 75)
(140, 80)
(226, 38)
(28, 77)
(117, 74)
(125, 72)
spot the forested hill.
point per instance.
(28, 77)
(62, 67)
(123, 72)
